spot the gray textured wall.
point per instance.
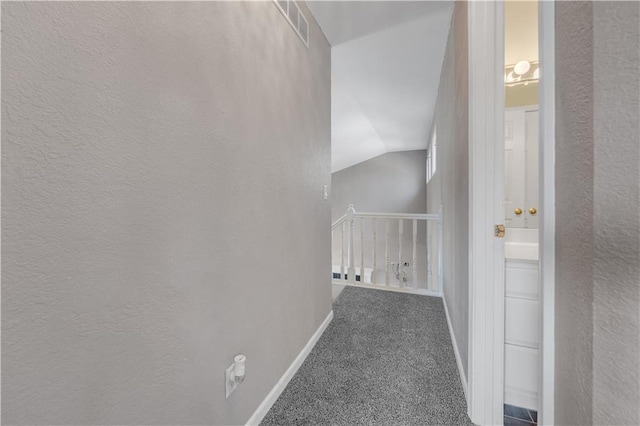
(574, 211)
(391, 183)
(449, 187)
(616, 314)
(597, 201)
(162, 166)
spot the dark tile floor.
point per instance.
(516, 416)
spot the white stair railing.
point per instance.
(410, 274)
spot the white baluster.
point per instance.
(386, 251)
(429, 247)
(342, 251)
(440, 252)
(400, 263)
(415, 253)
(351, 218)
(362, 250)
(374, 229)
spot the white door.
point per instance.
(514, 166)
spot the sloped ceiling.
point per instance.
(386, 62)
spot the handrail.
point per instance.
(353, 224)
(337, 223)
(419, 216)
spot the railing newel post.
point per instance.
(440, 251)
(415, 254)
(374, 225)
(386, 251)
(351, 213)
(362, 250)
(400, 262)
(342, 251)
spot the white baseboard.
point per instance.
(406, 290)
(463, 380)
(521, 398)
(271, 398)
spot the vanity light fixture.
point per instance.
(522, 67)
(511, 78)
(523, 72)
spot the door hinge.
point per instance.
(499, 231)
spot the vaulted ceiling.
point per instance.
(386, 59)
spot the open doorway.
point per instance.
(487, 289)
(521, 211)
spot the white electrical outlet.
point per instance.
(230, 385)
(235, 374)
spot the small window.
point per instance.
(303, 28)
(295, 18)
(283, 6)
(293, 15)
(431, 157)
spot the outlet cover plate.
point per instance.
(230, 386)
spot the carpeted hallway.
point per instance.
(386, 359)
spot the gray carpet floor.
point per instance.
(385, 359)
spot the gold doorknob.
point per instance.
(533, 210)
(518, 212)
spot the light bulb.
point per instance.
(522, 67)
(512, 78)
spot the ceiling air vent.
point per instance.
(295, 17)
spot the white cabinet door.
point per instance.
(521, 376)
(531, 170)
(521, 325)
(514, 165)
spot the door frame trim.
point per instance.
(486, 199)
(547, 220)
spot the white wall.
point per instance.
(162, 167)
(597, 200)
(449, 187)
(384, 84)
